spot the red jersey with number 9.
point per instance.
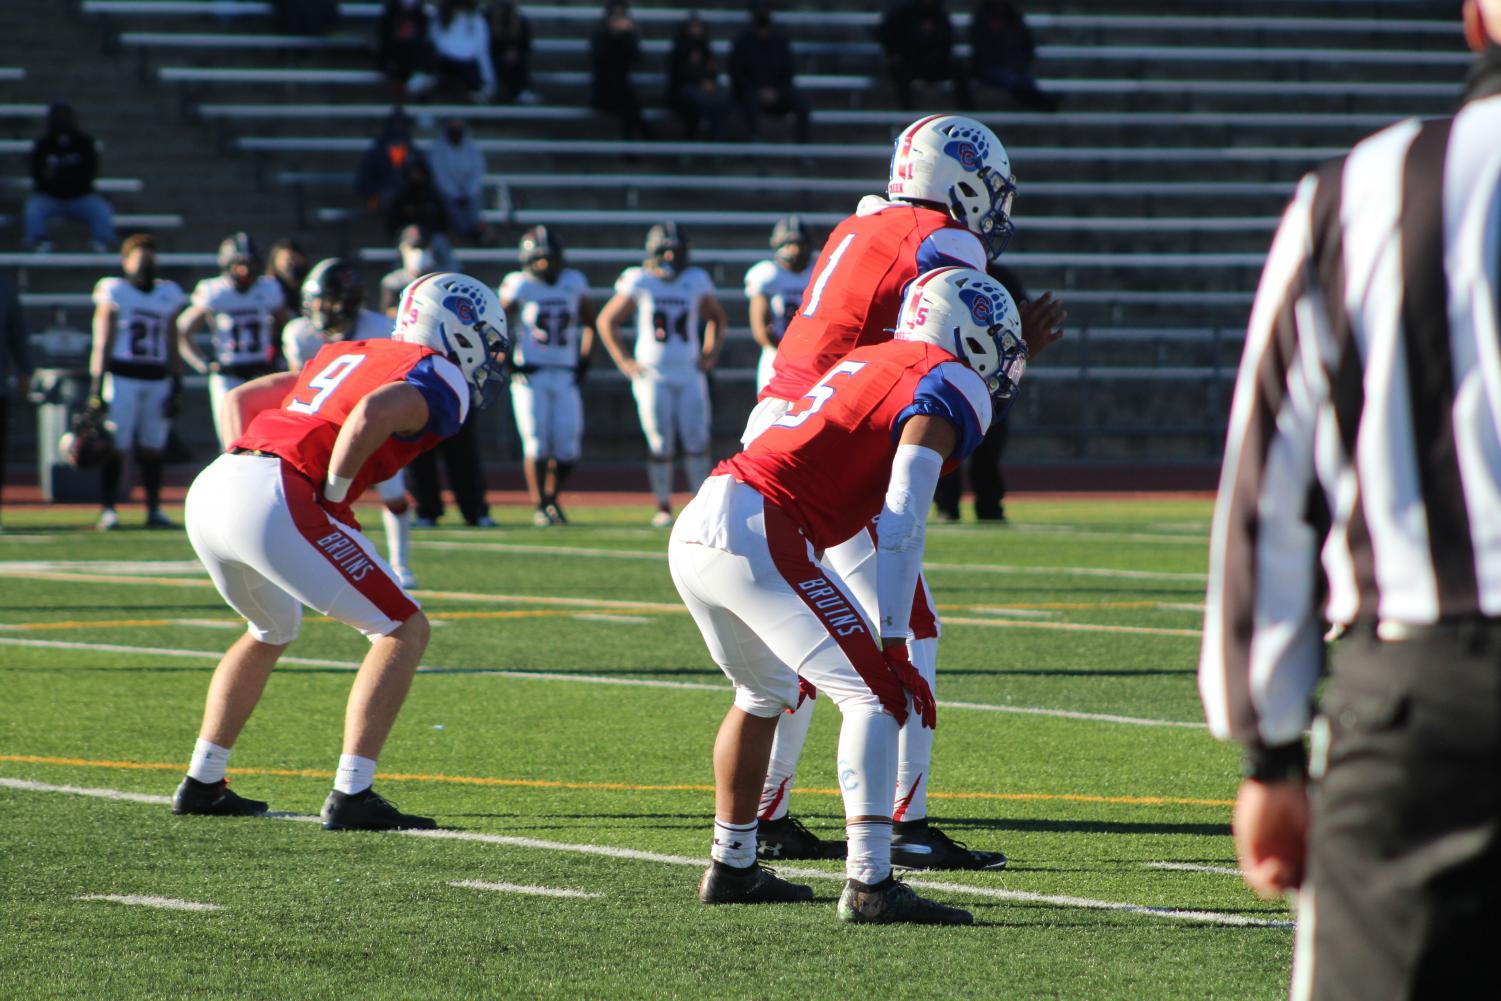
(303, 429)
(855, 290)
(827, 462)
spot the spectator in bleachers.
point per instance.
(614, 49)
(288, 264)
(693, 89)
(15, 359)
(1002, 52)
(919, 44)
(64, 166)
(382, 171)
(511, 53)
(459, 178)
(461, 49)
(402, 48)
(420, 251)
(762, 73)
(418, 201)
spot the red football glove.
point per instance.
(805, 692)
(895, 652)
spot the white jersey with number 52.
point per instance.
(667, 316)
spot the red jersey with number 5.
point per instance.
(828, 461)
(855, 291)
(303, 429)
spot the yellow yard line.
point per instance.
(480, 780)
(1075, 627)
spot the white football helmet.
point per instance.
(461, 319)
(956, 162)
(970, 315)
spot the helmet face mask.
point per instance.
(332, 296)
(459, 318)
(793, 243)
(541, 254)
(957, 163)
(240, 259)
(666, 250)
(972, 316)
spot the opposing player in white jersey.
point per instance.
(246, 311)
(333, 301)
(135, 371)
(774, 288)
(548, 307)
(671, 301)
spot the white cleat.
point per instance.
(405, 577)
(540, 519)
(661, 519)
(108, 520)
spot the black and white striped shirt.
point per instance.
(1365, 433)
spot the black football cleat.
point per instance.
(213, 799)
(894, 902)
(755, 884)
(926, 847)
(368, 811)
(787, 838)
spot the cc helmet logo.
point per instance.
(462, 308)
(965, 152)
(980, 305)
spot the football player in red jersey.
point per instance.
(867, 441)
(948, 202)
(271, 521)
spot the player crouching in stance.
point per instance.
(869, 440)
(271, 521)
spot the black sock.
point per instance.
(151, 479)
(109, 482)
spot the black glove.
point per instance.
(172, 405)
(581, 369)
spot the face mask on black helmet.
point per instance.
(332, 295)
(541, 254)
(240, 258)
(666, 250)
(793, 243)
(460, 318)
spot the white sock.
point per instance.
(735, 844)
(659, 474)
(697, 465)
(914, 755)
(398, 535)
(792, 731)
(355, 774)
(868, 855)
(208, 762)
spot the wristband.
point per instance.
(337, 487)
(1275, 764)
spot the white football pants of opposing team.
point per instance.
(854, 562)
(672, 405)
(770, 613)
(549, 414)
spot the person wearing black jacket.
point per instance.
(693, 88)
(15, 358)
(402, 49)
(919, 44)
(64, 165)
(762, 73)
(614, 49)
(511, 53)
(1002, 52)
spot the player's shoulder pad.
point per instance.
(760, 275)
(510, 284)
(574, 280)
(948, 247)
(373, 326)
(105, 290)
(446, 391)
(698, 279)
(871, 204)
(953, 391)
(629, 281)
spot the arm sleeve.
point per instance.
(901, 529)
(1262, 650)
(953, 392)
(447, 395)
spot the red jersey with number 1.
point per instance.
(303, 429)
(855, 290)
(828, 461)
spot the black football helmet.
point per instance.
(541, 253)
(792, 241)
(240, 249)
(666, 249)
(333, 295)
(88, 443)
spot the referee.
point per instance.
(1365, 436)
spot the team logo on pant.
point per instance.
(345, 554)
(832, 607)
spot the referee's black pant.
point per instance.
(466, 475)
(1403, 898)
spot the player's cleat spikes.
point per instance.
(755, 884)
(929, 848)
(155, 519)
(368, 811)
(894, 902)
(213, 799)
(787, 838)
(556, 515)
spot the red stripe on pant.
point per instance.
(839, 613)
(776, 801)
(333, 542)
(924, 619)
(906, 801)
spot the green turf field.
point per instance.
(530, 739)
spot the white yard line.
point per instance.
(1184, 606)
(1072, 627)
(631, 854)
(165, 903)
(534, 891)
(1020, 613)
(599, 617)
(226, 624)
(1220, 870)
(569, 678)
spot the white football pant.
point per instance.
(549, 414)
(135, 409)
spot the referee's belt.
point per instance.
(253, 451)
